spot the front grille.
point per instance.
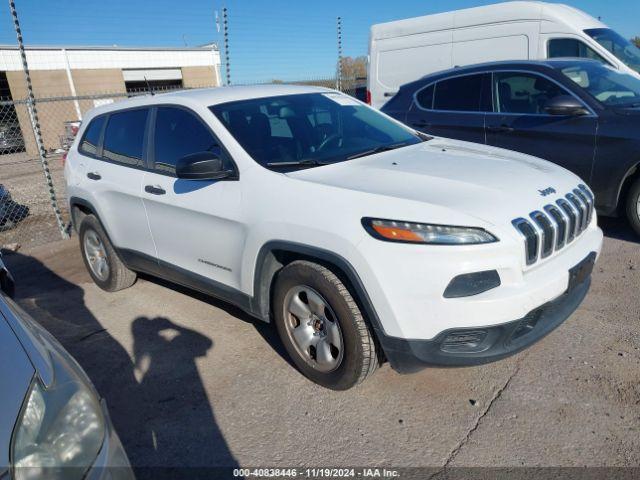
(556, 225)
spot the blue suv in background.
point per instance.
(580, 114)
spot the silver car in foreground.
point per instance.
(52, 421)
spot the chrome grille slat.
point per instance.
(530, 235)
(577, 204)
(587, 205)
(547, 237)
(556, 225)
(572, 215)
(560, 222)
(590, 200)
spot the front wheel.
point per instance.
(633, 206)
(322, 327)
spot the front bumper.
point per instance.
(497, 341)
(112, 462)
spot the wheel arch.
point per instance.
(275, 255)
(80, 208)
(630, 177)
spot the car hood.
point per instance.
(487, 183)
(15, 376)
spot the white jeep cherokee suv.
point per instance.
(360, 238)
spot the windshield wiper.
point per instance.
(294, 163)
(380, 149)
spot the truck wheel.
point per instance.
(321, 326)
(633, 206)
(101, 260)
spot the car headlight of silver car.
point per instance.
(409, 232)
(61, 427)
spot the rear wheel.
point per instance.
(322, 327)
(100, 258)
(633, 205)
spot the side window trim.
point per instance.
(152, 134)
(533, 73)
(435, 90)
(98, 154)
(144, 136)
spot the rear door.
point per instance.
(520, 122)
(193, 222)
(453, 107)
(113, 163)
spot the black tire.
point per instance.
(119, 276)
(359, 358)
(633, 205)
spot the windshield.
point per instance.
(294, 131)
(622, 48)
(605, 84)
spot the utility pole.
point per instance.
(35, 124)
(225, 33)
(339, 66)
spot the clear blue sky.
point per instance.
(284, 39)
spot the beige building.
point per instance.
(110, 73)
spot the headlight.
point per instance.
(60, 430)
(408, 232)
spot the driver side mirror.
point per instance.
(201, 166)
(565, 105)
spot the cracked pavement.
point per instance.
(192, 381)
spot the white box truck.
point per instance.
(405, 50)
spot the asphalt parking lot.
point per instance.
(190, 381)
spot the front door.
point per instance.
(193, 222)
(520, 123)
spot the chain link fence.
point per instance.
(27, 218)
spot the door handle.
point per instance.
(421, 124)
(500, 128)
(154, 189)
(93, 176)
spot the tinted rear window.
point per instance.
(91, 139)
(425, 97)
(459, 94)
(124, 137)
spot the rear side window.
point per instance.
(91, 138)
(459, 94)
(179, 133)
(124, 137)
(569, 47)
(424, 97)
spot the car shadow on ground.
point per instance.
(618, 228)
(156, 400)
(267, 331)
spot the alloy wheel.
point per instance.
(313, 328)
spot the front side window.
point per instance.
(524, 93)
(572, 48)
(463, 94)
(124, 137)
(622, 48)
(179, 133)
(605, 84)
(91, 138)
(310, 129)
